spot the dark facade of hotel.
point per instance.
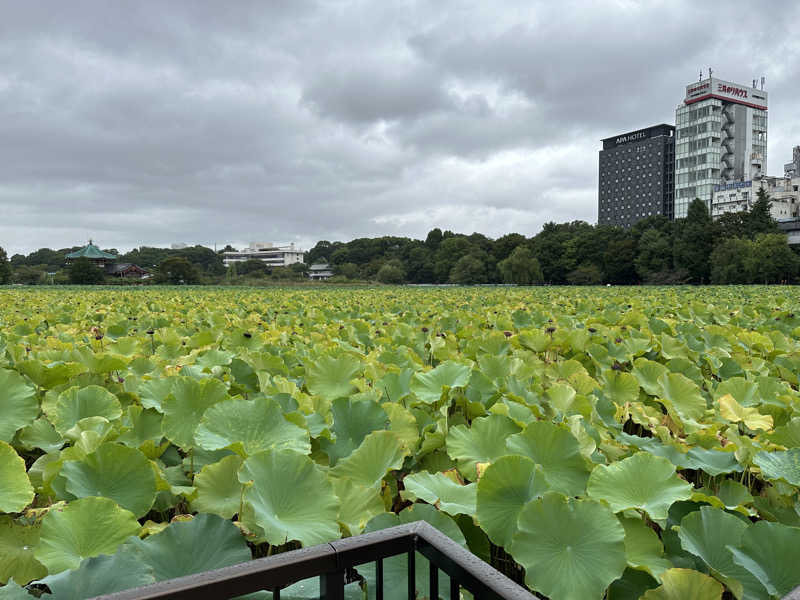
(637, 176)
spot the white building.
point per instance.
(320, 272)
(792, 169)
(721, 138)
(740, 196)
(273, 256)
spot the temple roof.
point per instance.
(90, 251)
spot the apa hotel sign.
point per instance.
(631, 137)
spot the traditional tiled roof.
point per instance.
(90, 251)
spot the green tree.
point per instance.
(585, 275)
(729, 261)
(469, 269)
(348, 270)
(521, 267)
(619, 258)
(771, 260)
(654, 256)
(252, 267)
(82, 271)
(694, 242)
(5, 267)
(391, 272)
(759, 219)
(177, 270)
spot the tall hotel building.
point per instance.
(721, 137)
(636, 176)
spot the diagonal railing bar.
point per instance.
(335, 561)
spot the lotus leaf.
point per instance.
(185, 405)
(16, 491)
(771, 552)
(571, 549)
(380, 452)
(358, 504)
(557, 451)
(734, 412)
(330, 377)
(18, 404)
(641, 481)
(483, 441)
(352, 421)
(83, 528)
(685, 584)
(17, 561)
(12, 591)
(113, 471)
(430, 386)
(506, 486)
(441, 491)
(682, 398)
(250, 425)
(783, 464)
(288, 497)
(219, 490)
(643, 549)
(78, 403)
(708, 534)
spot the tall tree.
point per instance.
(469, 269)
(759, 219)
(654, 256)
(84, 272)
(521, 267)
(177, 270)
(729, 261)
(772, 261)
(5, 267)
(694, 242)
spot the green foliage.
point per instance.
(177, 270)
(5, 267)
(521, 267)
(82, 271)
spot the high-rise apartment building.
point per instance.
(721, 137)
(636, 176)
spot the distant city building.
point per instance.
(320, 272)
(740, 196)
(636, 176)
(273, 256)
(721, 137)
(792, 169)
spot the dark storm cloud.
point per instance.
(200, 121)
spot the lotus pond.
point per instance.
(618, 442)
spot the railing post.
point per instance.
(331, 586)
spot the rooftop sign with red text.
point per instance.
(727, 91)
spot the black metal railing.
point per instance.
(334, 564)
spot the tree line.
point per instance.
(742, 247)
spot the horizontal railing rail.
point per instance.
(334, 562)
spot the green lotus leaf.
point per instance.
(219, 490)
(571, 549)
(78, 403)
(144, 425)
(620, 387)
(784, 464)
(643, 549)
(18, 404)
(682, 397)
(153, 392)
(685, 584)
(352, 421)
(252, 425)
(771, 552)
(734, 412)
(17, 561)
(507, 485)
(642, 481)
(358, 504)
(215, 358)
(787, 435)
(12, 591)
(557, 451)
(733, 494)
(631, 586)
(40, 434)
(713, 462)
(709, 533)
(745, 392)
(441, 491)
(50, 375)
(185, 405)
(101, 575)
(483, 441)
(330, 377)
(213, 542)
(429, 386)
(380, 452)
(113, 471)
(288, 497)
(83, 528)
(648, 372)
(16, 491)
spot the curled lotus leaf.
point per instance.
(441, 491)
(643, 548)
(430, 386)
(288, 497)
(642, 481)
(16, 491)
(783, 464)
(771, 552)
(251, 425)
(571, 549)
(185, 405)
(380, 452)
(83, 528)
(18, 404)
(219, 490)
(353, 420)
(483, 441)
(685, 584)
(76, 404)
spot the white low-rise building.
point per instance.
(320, 272)
(740, 196)
(272, 255)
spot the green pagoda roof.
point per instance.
(90, 251)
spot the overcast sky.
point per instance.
(146, 123)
